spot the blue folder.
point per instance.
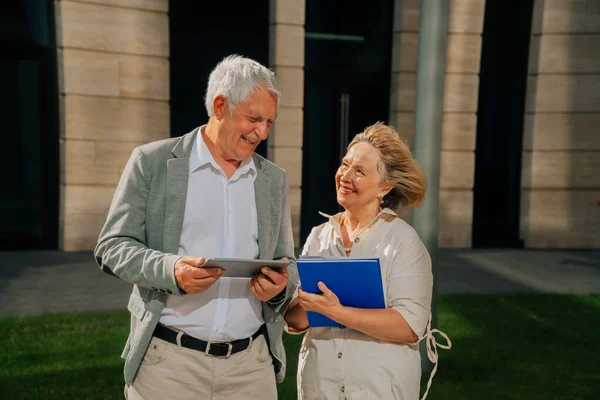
(355, 281)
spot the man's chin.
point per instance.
(244, 154)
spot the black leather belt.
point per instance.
(215, 349)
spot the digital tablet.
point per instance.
(243, 268)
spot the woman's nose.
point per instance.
(345, 175)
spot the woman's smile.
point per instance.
(345, 190)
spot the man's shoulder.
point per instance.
(268, 167)
(160, 150)
(159, 146)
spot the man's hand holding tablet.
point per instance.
(268, 278)
(244, 268)
(194, 280)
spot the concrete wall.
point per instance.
(287, 60)
(561, 157)
(460, 107)
(114, 95)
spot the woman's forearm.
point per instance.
(296, 318)
(384, 324)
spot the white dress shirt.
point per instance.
(220, 221)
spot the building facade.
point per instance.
(520, 159)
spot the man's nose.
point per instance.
(262, 130)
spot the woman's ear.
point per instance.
(385, 190)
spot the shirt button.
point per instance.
(340, 354)
(343, 389)
(356, 240)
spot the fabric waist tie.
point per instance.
(432, 352)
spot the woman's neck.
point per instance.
(359, 219)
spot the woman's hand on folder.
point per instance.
(326, 303)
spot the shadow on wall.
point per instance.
(561, 159)
(461, 87)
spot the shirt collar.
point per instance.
(337, 217)
(201, 156)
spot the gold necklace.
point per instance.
(355, 239)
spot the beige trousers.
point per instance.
(169, 371)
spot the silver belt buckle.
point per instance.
(229, 349)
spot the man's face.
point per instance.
(240, 132)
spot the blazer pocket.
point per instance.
(125, 351)
(137, 306)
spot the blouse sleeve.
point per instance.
(309, 245)
(410, 283)
(305, 251)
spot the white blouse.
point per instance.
(342, 363)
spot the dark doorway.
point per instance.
(347, 87)
(501, 111)
(200, 35)
(28, 77)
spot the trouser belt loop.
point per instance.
(178, 339)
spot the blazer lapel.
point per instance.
(178, 172)
(262, 192)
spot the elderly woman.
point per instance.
(375, 355)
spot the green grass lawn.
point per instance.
(504, 347)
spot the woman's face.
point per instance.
(358, 181)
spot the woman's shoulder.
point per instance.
(320, 236)
(318, 230)
(404, 242)
(401, 230)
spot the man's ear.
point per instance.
(219, 106)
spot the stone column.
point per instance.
(287, 60)
(561, 149)
(114, 95)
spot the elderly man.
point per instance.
(195, 334)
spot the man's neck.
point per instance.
(211, 139)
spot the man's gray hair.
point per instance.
(236, 78)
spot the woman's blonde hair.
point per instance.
(398, 167)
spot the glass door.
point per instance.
(30, 165)
(347, 87)
(500, 119)
(198, 39)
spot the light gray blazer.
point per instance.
(140, 239)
